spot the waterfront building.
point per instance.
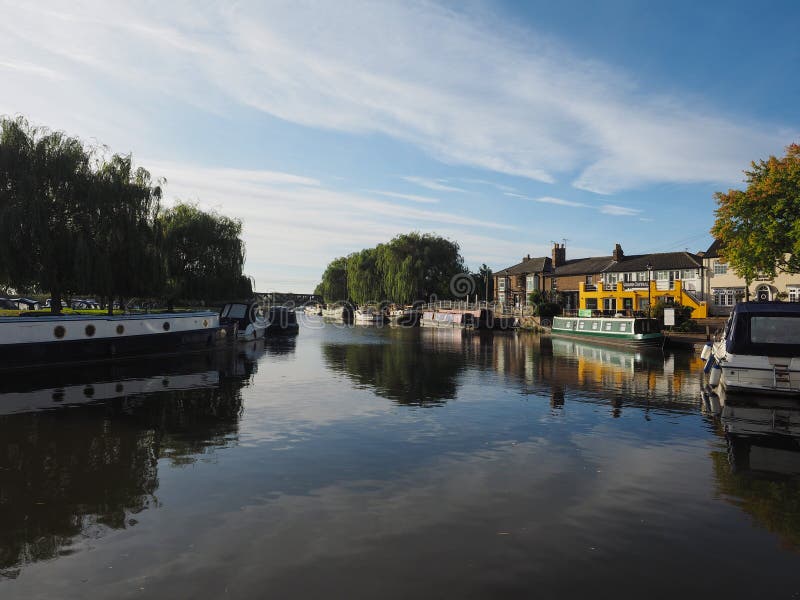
(726, 288)
(568, 275)
(633, 283)
(513, 284)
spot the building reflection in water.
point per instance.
(80, 447)
(759, 468)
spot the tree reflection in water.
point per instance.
(74, 471)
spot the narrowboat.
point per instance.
(48, 340)
(243, 320)
(481, 318)
(407, 316)
(620, 331)
(759, 350)
(281, 320)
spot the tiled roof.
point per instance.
(528, 265)
(584, 266)
(713, 250)
(660, 261)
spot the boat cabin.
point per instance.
(764, 329)
(241, 314)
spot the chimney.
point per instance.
(618, 254)
(559, 254)
(524, 258)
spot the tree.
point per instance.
(204, 255)
(486, 282)
(127, 243)
(44, 222)
(408, 268)
(759, 227)
(333, 287)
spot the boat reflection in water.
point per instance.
(759, 468)
(80, 448)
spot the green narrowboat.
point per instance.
(621, 331)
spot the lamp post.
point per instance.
(649, 268)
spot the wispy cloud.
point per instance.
(409, 197)
(462, 86)
(549, 200)
(293, 225)
(618, 211)
(440, 185)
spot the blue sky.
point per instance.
(331, 126)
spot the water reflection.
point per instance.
(759, 468)
(409, 369)
(79, 449)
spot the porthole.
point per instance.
(58, 395)
(120, 329)
(205, 322)
(166, 325)
(60, 331)
(90, 330)
(165, 382)
(119, 387)
(88, 391)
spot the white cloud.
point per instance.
(549, 200)
(410, 197)
(433, 184)
(462, 86)
(293, 225)
(618, 211)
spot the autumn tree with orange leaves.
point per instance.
(759, 228)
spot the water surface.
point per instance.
(364, 463)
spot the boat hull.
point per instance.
(53, 340)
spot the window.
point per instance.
(627, 277)
(611, 278)
(720, 268)
(530, 283)
(662, 275)
(774, 330)
(641, 276)
(501, 297)
(794, 293)
(501, 283)
(726, 296)
(691, 274)
(623, 326)
(589, 280)
(591, 303)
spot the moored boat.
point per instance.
(407, 316)
(340, 313)
(759, 350)
(281, 320)
(624, 331)
(480, 318)
(48, 340)
(243, 320)
(369, 315)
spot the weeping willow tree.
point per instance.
(333, 287)
(408, 268)
(71, 221)
(44, 182)
(127, 247)
(204, 255)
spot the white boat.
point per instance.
(759, 350)
(369, 315)
(244, 319)
(313, 309)
(46, 339)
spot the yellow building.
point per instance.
(636, 296)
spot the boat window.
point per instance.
(237, 311)
(623, 327)
(774, 330)
(607, 327)
(595, 325)
(225, 310)
(581, 324)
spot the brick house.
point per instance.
(568, 275)
(513, 284)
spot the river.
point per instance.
(396, 463)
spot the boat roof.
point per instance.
(768, 308)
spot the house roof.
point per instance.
(528, 265)
(584, 266)
(660, 261)
(713, 250)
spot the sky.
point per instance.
(328, 127)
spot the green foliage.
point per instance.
(759, 228)
(408, 268)
(333, 287)
(204, 254)
(547, 310)
(485, 282)
(71, 221)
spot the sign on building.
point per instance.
(669, 317)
